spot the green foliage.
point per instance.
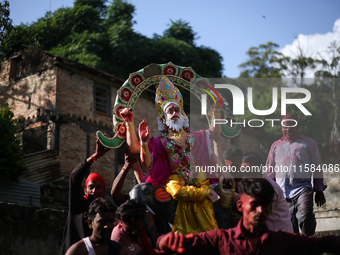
(120, 11)
(261, 60)
(180, 30)
(97, 4)
(11, 162)
(209, 62)
(5, 27)
(330, 69)
(82, 48)
(328, 79)
(103, 37)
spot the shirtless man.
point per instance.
(101, 219)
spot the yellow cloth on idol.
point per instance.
(194, 211)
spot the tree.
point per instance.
(98, 4)
(181, 30)
(300, 64)
(261, 62)
(103, 37)
(297, 67)
(265, 61)
(5, 27)
(326, 77)
(330, 68)
(120, 11)
(11, 162)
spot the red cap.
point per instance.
(95, 176)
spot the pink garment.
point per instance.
(279, 218)
(290, 164)
(130, 246)
(160, 169)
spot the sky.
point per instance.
(229, 27)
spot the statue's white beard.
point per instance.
(175, 125)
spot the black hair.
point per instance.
(259, 188)
(100, 205)
(131, 210)
(252, 158)
(232, 153)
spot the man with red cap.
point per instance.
(79, 199)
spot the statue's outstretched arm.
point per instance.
(131, 136)
(144, 134)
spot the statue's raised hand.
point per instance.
(127, 114)
(144, 133)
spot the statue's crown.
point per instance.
(165, 93)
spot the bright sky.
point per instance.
(229, 27)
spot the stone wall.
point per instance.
(29, 230)
(5, 68)
(75, 95)
(73, 151)
(75, 101)
(29, 95)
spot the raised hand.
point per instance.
(130, 159)
(100, 149)
(171, 243)
(144, 133)
(127, 114)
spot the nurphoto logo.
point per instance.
(239, 102)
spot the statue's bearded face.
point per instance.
(173, 112)
(173, 117)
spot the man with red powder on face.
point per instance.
(79, 199)
(292, 161)
(251, 235)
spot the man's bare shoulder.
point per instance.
(79, 248)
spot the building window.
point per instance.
(15, 67)
(35, 139)
(102, 99)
